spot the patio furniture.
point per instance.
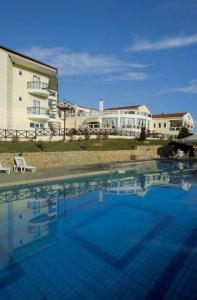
(187, 155)
(4, 169)
(195, 152)
(179, 154)
(21, 165)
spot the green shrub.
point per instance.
(184, 132)
(166, 151)
(41, 146)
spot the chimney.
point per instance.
(101, 105)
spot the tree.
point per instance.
(184, 132)
(142, 134)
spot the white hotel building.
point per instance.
(127, 118)
(28, 92)
(29, 100)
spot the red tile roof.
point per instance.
(173, 115)
(123, 107)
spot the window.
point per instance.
(159, 125)
(164, 125)
(36, 78)
(20, 98)
(131, 112)
(36, 125)
(154, 125)
(36, 103)
(110, 122)
(20, 73)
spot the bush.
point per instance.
(184, 132)
(41, 146)
(86, 134)
(166, 151)
(105, 135)
(83, 145)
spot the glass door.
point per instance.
(36, 81)
(36, 107)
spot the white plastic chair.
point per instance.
(22, 166)
(4, 169)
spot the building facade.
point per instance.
(131, 118)
(29, 100)
(28, 92)
(171, 124)
(127, 118)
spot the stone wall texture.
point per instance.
(73, 158)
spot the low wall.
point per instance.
(59, 159)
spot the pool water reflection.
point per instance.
(118, 236)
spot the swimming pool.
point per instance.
(118, 236)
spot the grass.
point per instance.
(89, 145)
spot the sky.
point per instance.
(126, 52)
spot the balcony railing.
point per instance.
(178, 128)
(38, 111)
(38, 85)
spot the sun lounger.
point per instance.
(22, 166)
(179, 154)
(4, 169)
(186, 155)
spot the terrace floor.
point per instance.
(65, 172)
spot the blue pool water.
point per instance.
(118, 236)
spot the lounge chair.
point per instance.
(179, 154)
(4, 169)
(186, 155)
(21, 165)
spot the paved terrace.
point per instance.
(50, 174)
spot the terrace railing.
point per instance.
(11, 134)
(39, 132)
(37, 110)
(37, 85)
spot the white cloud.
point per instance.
(81, 63)
(166, 43)
(130, 76)
(191, 88)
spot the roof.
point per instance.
(26, 57)
(78, 105)
(173, 115)
(123, 107)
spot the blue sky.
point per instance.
(124, 51)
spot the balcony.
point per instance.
(38, 113)
(38, 88)
(177, 128)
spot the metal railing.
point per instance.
(178, 128)
(37, 111)
(37, 85)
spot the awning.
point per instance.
(92, 120)
(191, 138)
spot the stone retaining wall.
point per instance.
(59, 159)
